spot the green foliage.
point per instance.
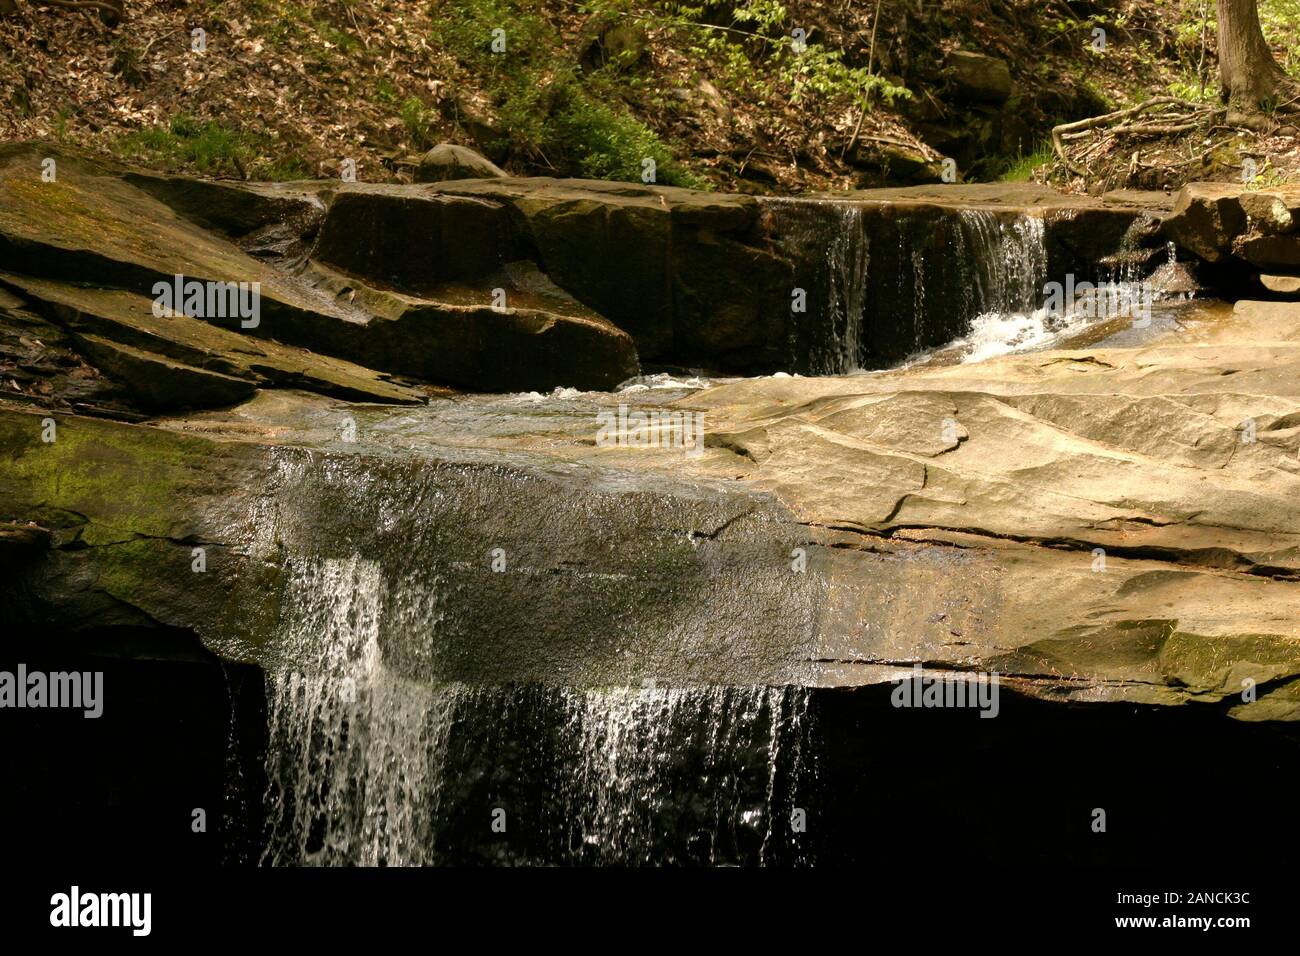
(610, 145)
(547, 110)
(818, 72)
(416, 120)
(1198, 25)
(1281, 22)
(1189, 87)
(61, 125)
(761, 55)
(209, 147)
(1022, 168)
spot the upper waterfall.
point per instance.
(884, 281)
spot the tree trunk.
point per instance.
(1249, 77)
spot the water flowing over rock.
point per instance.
(487, 633)
(884, 285)
(367, 767)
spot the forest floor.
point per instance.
(742, 95)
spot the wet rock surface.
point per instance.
(1095, 523)
(1252, 228)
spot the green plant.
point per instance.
(61, 125)
(416, 120)
(605, 144)
(550, 111)
(1023, 167)
(209, 146)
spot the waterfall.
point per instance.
(627, 777)
(848, 259)
(887, 280)
(366, 766)
(354, 751)
(1005, 260)
(831, 240)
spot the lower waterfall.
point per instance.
(365, 766)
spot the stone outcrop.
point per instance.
(515, 284)
(99, 225)
(447, 161)
(1251, 228)
(1096, 525)
(979, 77)
(688, 274)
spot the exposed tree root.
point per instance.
(1175, 116)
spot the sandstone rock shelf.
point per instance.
(1096, 523)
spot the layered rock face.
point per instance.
(1253, 230)
(658, 621)
(1094, 524)
(478, 320)
(506, 284)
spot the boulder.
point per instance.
(979, 77)
(1282, 285)
(1271, 253)
(624, 42)
(1273, 211)
(1206, 218)
(447, 161)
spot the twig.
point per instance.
(1205, 35)
(81, 5)
(871, 62)
(158, 36)
(353, 17)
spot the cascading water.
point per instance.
(1006, 261)
(832, 239)
(1025, 317)
(366, 765)
(354, 751)
(636, 749)
(885, 282)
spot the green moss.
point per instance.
(1217, 665)
(125, 481)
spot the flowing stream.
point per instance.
(883, 285)
(366, 766)
(379, 751)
